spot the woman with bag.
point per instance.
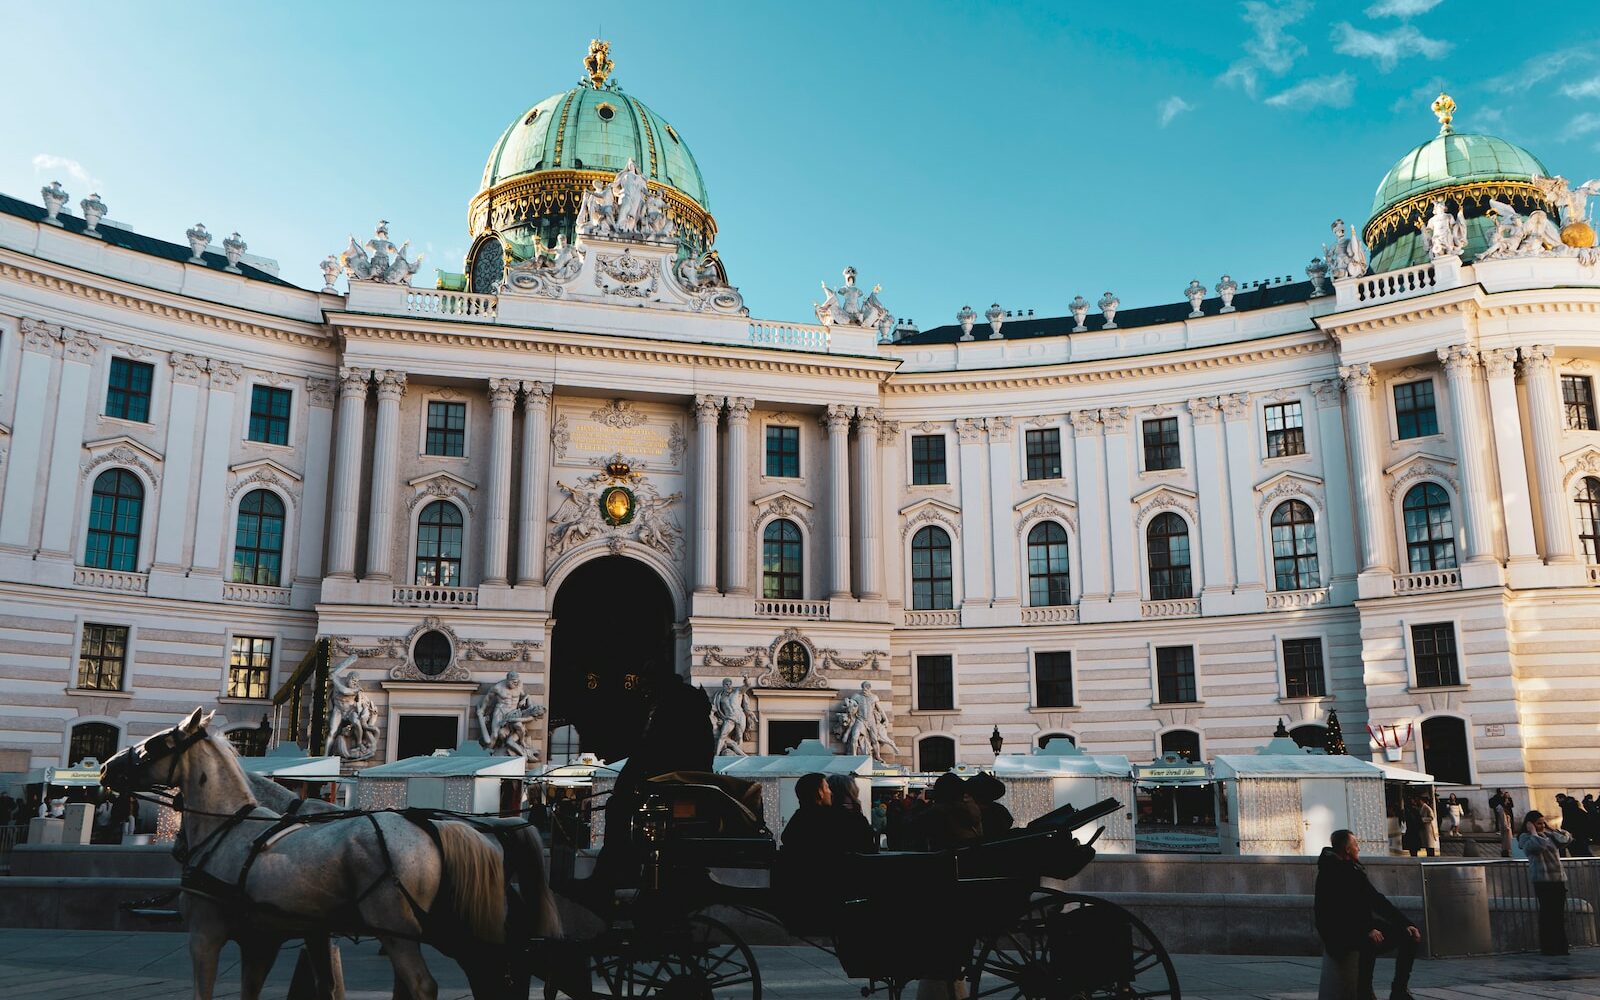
(1542, 844)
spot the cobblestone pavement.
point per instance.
(106, 965)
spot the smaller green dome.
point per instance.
(1452, 158)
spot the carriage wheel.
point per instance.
(702, 960)
(1064, 945)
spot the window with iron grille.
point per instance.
(102, 657)
(1175, 674)
(927, 460)
(447, 429)
(128, 393)
(1286, 430)
(250, 667)
(1183, 742)
(936, 683)
(1052, 679)
(1433, 650)
(92, 739)
(1044, 453)
(1577, 398)
(1414, 414)
(1302, 668)
(783, 451)
(1161, 444)
(269, 414)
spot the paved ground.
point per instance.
(105, 965)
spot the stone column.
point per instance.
(497, 526)
(1466, 414)
(352, 417)
(891, 476)
(1544, 413)
(532, 488)
(1239, 431)
(1122, 541)
(72, 393)
(1341, 527)
(319, 446)
(736, 498)
(183, 417)
(1211, 476)
(1094, 547)
(1002, 489)
(385, 460)
(837, 420)
(216, 451)
(41, 345)
(706, 411)
(869, 547)
(1505, 420)
(1366, 455)
(974, 544)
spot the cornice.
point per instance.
(1387, 315)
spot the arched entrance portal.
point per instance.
(613, 628)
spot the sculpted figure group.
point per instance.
(626, 207)
(352, 717)
(505, 719)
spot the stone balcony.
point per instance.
(1062, 614)
(948, 618)
(436, 597)
(245, 593)
(817, 611)
(1295, 600)
(1181, 608)
(110, 579)
(1431, 582)
(1391, 286)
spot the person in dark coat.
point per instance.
(987, 790)
(1411, 837)
(822, 829)
(953, 820)
(1353, 915)
(1575, 824)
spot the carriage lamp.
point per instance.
(996, 741)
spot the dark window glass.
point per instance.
(1286, 430)
(488, 266)
(1183, 742)
(1294, 547)
(249, 741)
(1048, 579)
(1053, 679)
(927, 459)
(1577, 398)
(447, 429)
(432, 653)
(1310, 735)
(1044, 453)
(1044, 738)
(936, 683)
(115, 513)
(1175, 674)
(783, 451)
(1168, 539)
(1302, 668)
(269, 414)
(932, 586)
(1588, 501)
(250, 667)
(439, 545)
(128, 394)
(258, 540)
(1433, 647)
(1430, 531)
(101, 657)
(92, 739)
(1444, 749)
(936, 753)
(1161, 444)
(1414, 415)
(793, 662)
(780, 561)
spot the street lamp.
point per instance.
(996, 741)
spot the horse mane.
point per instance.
(477, 876)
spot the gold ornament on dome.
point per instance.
(1578, 234)
(1444, 108)
(516, 200)
(598, 63)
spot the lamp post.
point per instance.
(996, 741)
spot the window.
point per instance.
(936, 684)
(249, 741)
(1044, 453)
(1286, 430)
(1294, 547)
(258, 540)
(101, 657)
(932, 586)
(783, 451)
(1433, 649)
(1310, 736)
(1303, 676)
(1052, 680)
(1444, 750)
(439, 545)
(936, 753)
(128, 394)
(1183, 742)
(1161, 444)
(1168, 542)
(793, 662)
(431, 654)
(1414, 415)
(447, 429)
(1577, 399)
(1048, 579)
(1044, 739)
(1588, 501)
(250, 667)
(780, 561)
(115, 513)
(927, 459)
(1430, 532)
(1175, 674)
(269, 414)
(92, 739)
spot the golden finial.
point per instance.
(598, 62)
(1444, 108)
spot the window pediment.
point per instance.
(121, 450)
(441, 486)
(1046, 507)
(264, 472)
(782, 504)
(1166, 497)
(1584, 461)
(1421, 466)
(931, 510)
(1287, 485)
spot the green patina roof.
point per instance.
(1452, 158)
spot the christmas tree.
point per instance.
(1335, 738)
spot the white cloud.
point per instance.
(1419, 98)
(1583, 124)
(1584, 88)
(1319, 91)
(1401, 8)
(1171, 108)
(1389, 48)
(1539, 69)
(1271, 47)
(49, 163)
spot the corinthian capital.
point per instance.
(837, 419)
(970, 428)
(739, 408)
(40, 336)
(1204, 410)
(999, 428)
(1500, 361)
(707, 408)
(535, 395)
(503, 392)
(391, 384)
(1536, 359)
(1114, 418)
(353, 381)
(1458, 359)
(1085, 421)
(1358, 379)
(868, 419)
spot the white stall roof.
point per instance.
(1394, 772)
(1060, 757)
(810, 756)
(287, 760)
(467, 760)
(1305, 765)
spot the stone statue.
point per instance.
(1446, 234)
(505, 718)
(596, 212)
(352, 717)
(863, 724)
(696, 272)
(655, 221)
(1518, 235)
(1346, 258)
(628, 189)
(848, 305)
(380, 260)
(626, 207)
(1573, 203)
(577, 519)
(733, 714)
(656, 528)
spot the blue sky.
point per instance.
(955, 153)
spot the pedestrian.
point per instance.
(1411, 827)
(845, 793)
(953, 820)
(819, 829)
(1352, 915)
(1452, 816)
(1430, 825)
(1542, 844)
(1575, 824)
(8, 805)
(1496, 807)
(1505, 826)
(1591, 813)
(987, 790)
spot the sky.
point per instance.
(955, 153)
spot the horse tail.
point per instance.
(526, 857)
(477, 878)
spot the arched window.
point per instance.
(1310, 735)
(780, 561)
(258, 540)
(936, 753)
(115, 514)
(488, 266)
(1048, 575)
(1045, 738)
(92, 739)
(1294, 547)
(1183, 742)
(249, 741)
(439, 545)
(1430, 530)
(1588, 501)
(1168, 541)
(931, 573)
(1444, 749)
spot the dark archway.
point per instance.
(613, 629)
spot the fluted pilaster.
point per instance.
(837, 421)
(1544, 416)
(706, 412)
(736, 498)
(1466, 412)
(1360, 386)
(531, 487)
(352, 418)
(869, 547)
(385, 462)
(497, 526)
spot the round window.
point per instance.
(794, 663)
(531, 116)
(432, 653)
(606, 112)
(489, 266)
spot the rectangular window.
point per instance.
(269, 414)
(447, 429)
(1414, 415)
(1433, 647)
(783, 452)
(1175, 674)
(1052, 680)
(1577, 398)
(250, 667)
(1044, 453)
(927, 459)
(102, 656)
(936, 684)
(1302, 668)
(1286, 430)
(1161, 444)
(128, 395)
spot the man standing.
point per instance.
(1352, 915)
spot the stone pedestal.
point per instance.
(45, 831)
(78, 826)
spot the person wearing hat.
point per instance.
(953, 820)
(987, 791)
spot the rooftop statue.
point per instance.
(380, 260)
(352, 717)
(848, 305)
(505, 718)
(1517, 235)
(597, 64)
(627, 207)
(1446, 234)
(1573, 203)
(1346, 258)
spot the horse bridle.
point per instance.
(143, 756)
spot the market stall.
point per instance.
(1286, 800)
(466, 779)
(308, 776)
(1059, 774)
(1178, 803)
